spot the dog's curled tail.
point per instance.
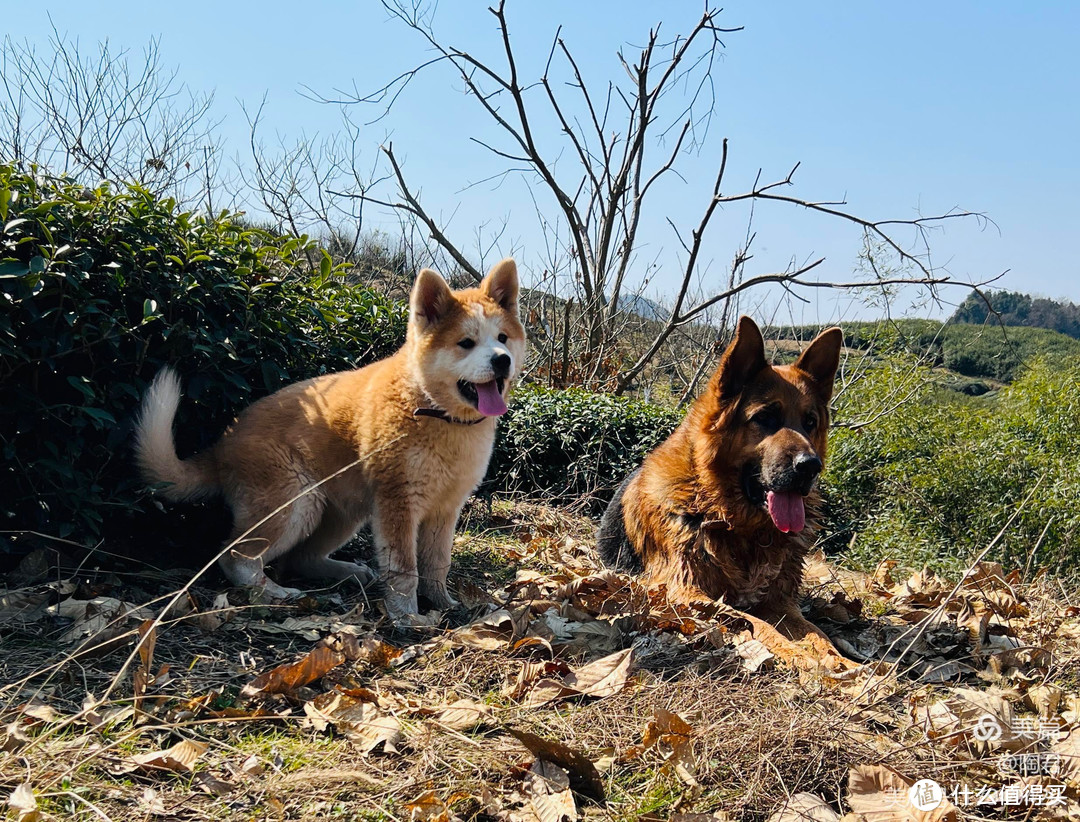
(155, 451)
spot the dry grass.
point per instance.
(756, 736)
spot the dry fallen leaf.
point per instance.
(358, 718)
(584, 778)
(754, 654)
(463, 715)
(922, 588)
(987, 718)
(880, 794)
(212, 785)
(1069, 751)
(548, 786)
(427, 807)
(39, 710)
(23, 607)
(805, 807)
(23, 802)
(674, 735)
(180, 758)
(375, 651)
(151, 803)
(219, 612)
(289, 677)
(604, 677)
(490, 633)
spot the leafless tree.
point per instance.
(105, 115)
(311, 186)
(622, 140)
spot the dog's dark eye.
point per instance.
(767, 418)
(502, 338)
(810, 423)
(467, 343)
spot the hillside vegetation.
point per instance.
(1015, 309)
(977, 351)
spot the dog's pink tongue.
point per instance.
(490, 402)
(787, 510)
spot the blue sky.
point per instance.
(901, 109)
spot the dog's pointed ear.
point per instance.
(501, 284)
(742, 361)
(821, 359)
(431, 297)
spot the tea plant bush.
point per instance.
(936, 480)
(573, 445)
(99, 288)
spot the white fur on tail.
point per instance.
(155, 450)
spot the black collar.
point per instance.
(438, 413)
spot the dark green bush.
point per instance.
(101, 288)
(574, 445)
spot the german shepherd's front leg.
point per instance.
(783, 618)
(784, 631)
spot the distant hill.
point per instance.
(1018, 309)
(976, 351)
(643, 307)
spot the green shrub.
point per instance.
(935, 480)
(574, 445)
(100, 289)
(999, 354)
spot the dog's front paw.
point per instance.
(355, 570)
(399, 607)
(439, 596)
(270, 591)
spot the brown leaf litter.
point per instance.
(562, 691)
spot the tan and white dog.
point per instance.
(403, 441)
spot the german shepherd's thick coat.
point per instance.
(399, 444)
(725, 508)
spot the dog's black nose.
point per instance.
(500, 364)
(807, 466)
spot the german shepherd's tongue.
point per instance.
(787, 510)
(489, 401)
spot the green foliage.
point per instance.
(923, 337)
(1016, 309)
(979, 352)
(935, 480)
(572, 444)
(999, 354)
(100, 288)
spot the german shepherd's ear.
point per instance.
(821, 359)
(742, 361)
(431, 297)
(501, 285)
